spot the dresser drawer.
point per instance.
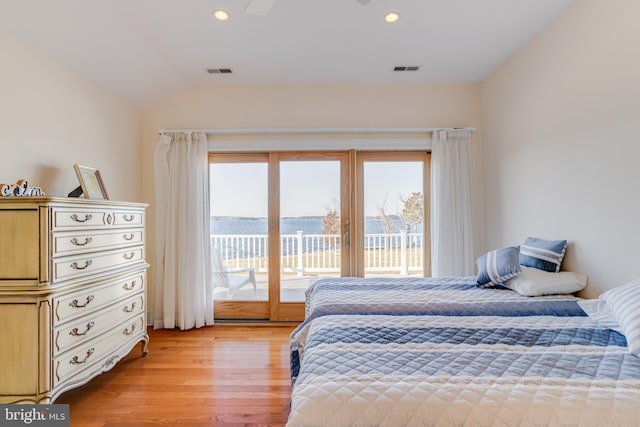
(95, 324)
(75, 242)
(92, 298)
(128, 218)
(89, 264)
(70, 218)
(85, 218)
(82, 357)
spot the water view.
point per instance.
(308, 225)
(310, 240)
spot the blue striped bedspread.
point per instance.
(412, 295)
(449, 296)
(434, 370)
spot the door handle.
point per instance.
(347, 239)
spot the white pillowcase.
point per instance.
(533, 282)
(624, 303)
(599, 311)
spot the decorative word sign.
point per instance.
(20, 188)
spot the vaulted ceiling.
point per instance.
(147, 50)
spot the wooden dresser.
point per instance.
(72, 292)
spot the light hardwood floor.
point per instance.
(224, 375)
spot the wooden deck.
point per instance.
(292, 288)
(224, 375)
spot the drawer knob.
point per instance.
(129, 255)
(77, 266)
(126, 331)
(74, 332)
(76, 218)
(129, 287)
(126, 309)
(128, 218)
(87, 240)
(76, 304)
(128, 236)
(76, 361)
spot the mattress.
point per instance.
(443, 370)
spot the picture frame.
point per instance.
(91, 182)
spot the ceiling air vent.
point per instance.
(219, 70)
(405, 68)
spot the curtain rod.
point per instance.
(283, 131)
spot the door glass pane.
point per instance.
(394, 218)
(309, 225)
(239, 258)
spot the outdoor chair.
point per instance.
(221, 277)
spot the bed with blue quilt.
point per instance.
(442, 352)
(412, 295)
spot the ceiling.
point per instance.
(148, 50)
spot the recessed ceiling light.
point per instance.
(220, 15)
(391, 17)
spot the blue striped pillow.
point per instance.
(623, 302)
(544, 255)
(498, 266)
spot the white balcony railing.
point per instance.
(320, 253)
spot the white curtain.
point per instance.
(183, 290)
(452, 250)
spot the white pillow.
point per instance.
(599, 311)
(624, 303)
(533, 282)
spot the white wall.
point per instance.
(313, 106)
(51, 118)
(562, 142)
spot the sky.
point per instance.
(308, 188)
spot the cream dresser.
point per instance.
(72, 292)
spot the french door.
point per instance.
(392, 214)
(239, 235)
(281, 220)
(278, 221)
